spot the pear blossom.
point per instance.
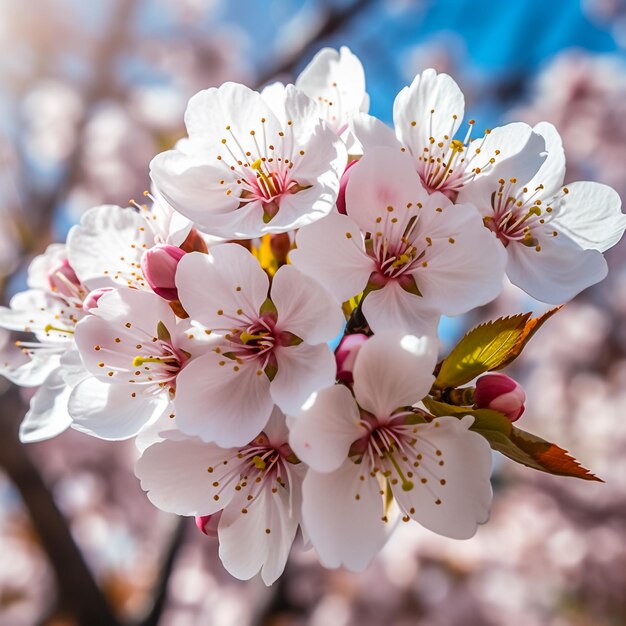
(268, 351)
(427, 116)
(412, 252)
(335, 80)
(554, 235)
(366, 444)
(253, 492)
(133, 348)
(248, 168)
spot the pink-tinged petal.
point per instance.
(259, 539)
(332, 252)
(162, 427)
(302, 370)
(158, 265)
(451, 493)
(47, 416)
(455, 279)
(394, 307)
(591, 215)
(29, 371)
(235, 285)
(113, 411)
(325, 428)
(304, 307)
(552, 172)
(228, 404)
(105, 249)
(394, 370)
(372, 133)
(180, 476)
(557, 272)
(432, 106)
(343, 516)
(384, 178)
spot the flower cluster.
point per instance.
(200, 324)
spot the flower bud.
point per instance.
(207, 524)
(500, 393)
(159, 269)
(345, 355)
(343, 183)
(91, 301)
(62, 279)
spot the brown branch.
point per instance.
(78, 592)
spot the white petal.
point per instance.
(246, 546)
(179, 476)
(558, 272)
(105, 249)
(47, 416)
(304, 307)
(456, 278)
(393, 370)
(433, 106)
(338, 262)
(302, 370)
(552, 172)
(372, 133)
(591, 215)
(325, 428)
(394, 307)
(456, 465)
(234, 281)
(111, 411)
(344, 530)
(27, 371)
(228, 404)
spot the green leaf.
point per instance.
(490, 346)
(515, 443)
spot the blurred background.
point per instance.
(90, 91)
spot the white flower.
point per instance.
(50, 312)
(365, 446)
(335, 80)
(554, 236)
(257, 487)
(133, 349)
(416, 253)
(106, 248)
(248, 169)
(427, 116)
(268, 352)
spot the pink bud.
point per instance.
(91, 301)
(208, 523)
(159, 269)
(345, 355)
(500, 393)
(62, 279)
(343, 183)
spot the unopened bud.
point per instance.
(91, 301)
(208, 523)
(159, 265)
(280, 245)
(501, 393)
(343, 183)
(62, 279)
(345, 355)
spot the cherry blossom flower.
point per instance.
(499, 392)
(255, 489)
(335, 80)
(249, 168)
(268, 352)
(367, 445)
(412, 252)
(427, 116)
(554, 236)
(133, 349)
(49, 311)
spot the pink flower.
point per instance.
(159, 265)
(343, 183)
(346, 354)
(500, 393)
